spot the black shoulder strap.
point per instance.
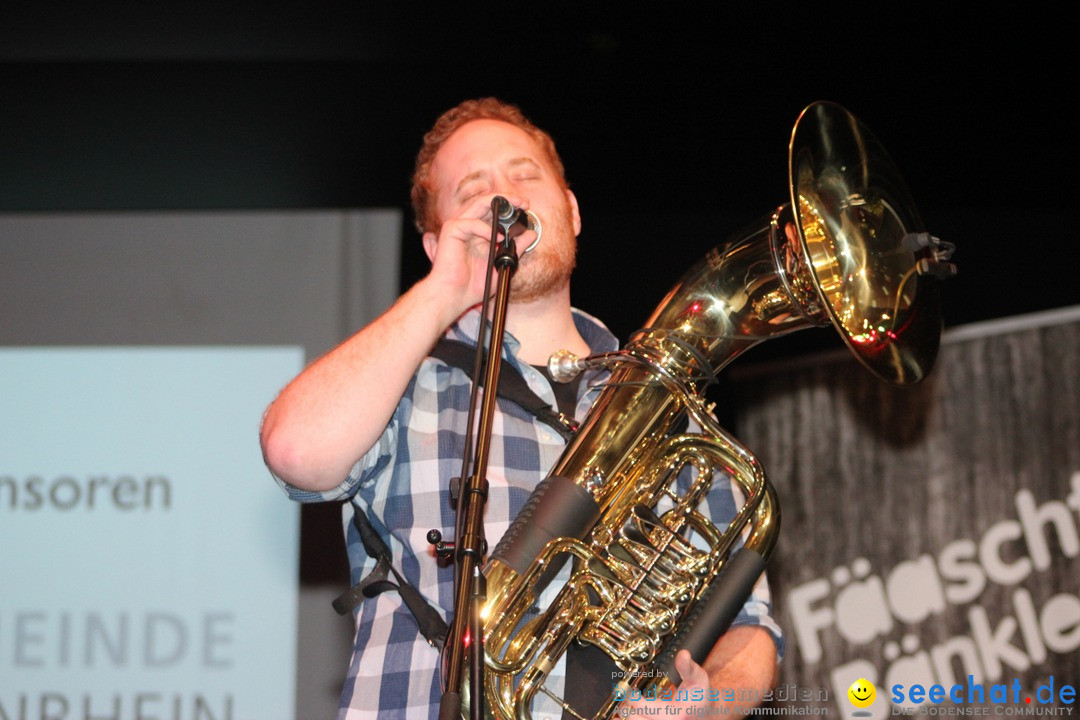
(512, 385)
(432, 626)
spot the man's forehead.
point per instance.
(483, 140)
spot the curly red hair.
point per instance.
(423, 194)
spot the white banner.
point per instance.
(148, 561)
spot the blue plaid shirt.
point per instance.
(401, 484)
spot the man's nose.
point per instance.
(506, 189)
(504, 185)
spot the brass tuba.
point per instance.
(650, 574)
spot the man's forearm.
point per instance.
(331, 414)
(742, 666)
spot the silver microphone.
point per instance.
(515, 221)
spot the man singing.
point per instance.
(381, 422)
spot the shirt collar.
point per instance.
(598, 337)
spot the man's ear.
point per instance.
(574, 213)
(431, 243)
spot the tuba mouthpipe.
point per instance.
(565, 365)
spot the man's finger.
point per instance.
(693, 675)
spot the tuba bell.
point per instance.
(649, 573)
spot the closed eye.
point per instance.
(465, 195)
(524, 169)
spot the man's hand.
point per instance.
(459, 253)
(743, 662)
(695, 684)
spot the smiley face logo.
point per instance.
(861, 693)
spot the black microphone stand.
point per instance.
(466, 629)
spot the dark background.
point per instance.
(673, 123)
